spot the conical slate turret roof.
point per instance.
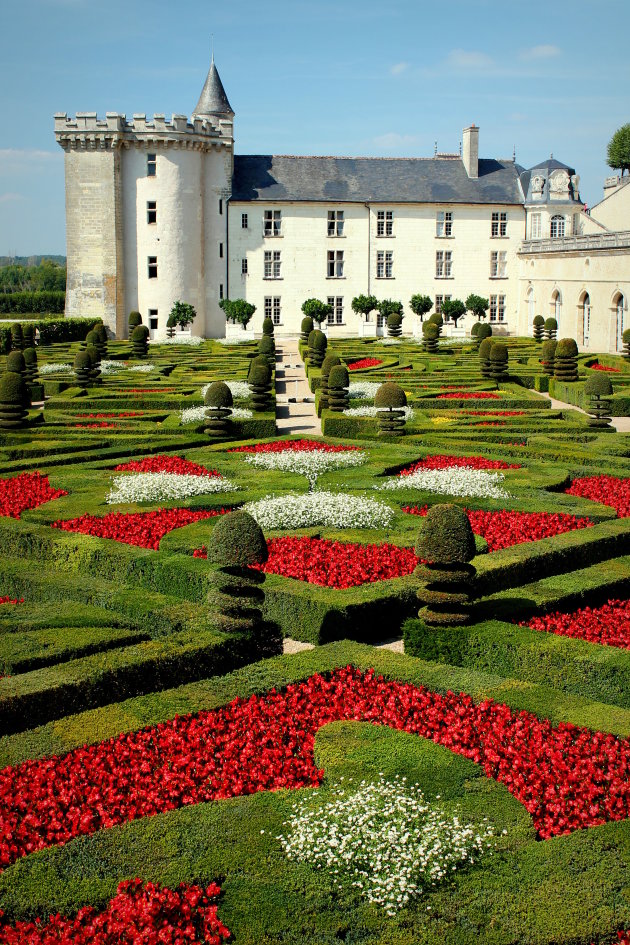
(213, 101)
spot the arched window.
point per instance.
(619, 307)
(557, 226)
(556, 305)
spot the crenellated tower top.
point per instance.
(87, 132)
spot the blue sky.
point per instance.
(348, 77)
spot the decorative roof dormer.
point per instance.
(550, 181)
(213, 102)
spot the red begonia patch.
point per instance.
(27, 491)
(144, 529)
(609, 490)
(608, 624)
(167, 464)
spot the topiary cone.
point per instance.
(329, 362)
(306, 328)
(267, 326)
(538, 328)
(14, 401)
(548, 356)
(140, 341)
(446, 544)
(598, 390)
(566, 364)
(83, 369)
(236, 596)
(338, 383)
(267, 349)
(219, 402)
(260, 386)
(390, 402)
(499, 355)
(484, 357)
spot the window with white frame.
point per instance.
(385, 223)
(272, 264)
(498, 265)
(444, 223)
(152, 267)
(151, 211)
(384, 264)
(244, 266)
(556, 230)
(439, 301)
(335, 222)
(336, 316)
(272, 308)
(497, 308)
(334, 264)
(272, 223)
(499, 223)
(151, 165)
(244, 221)
(443, 264)
(153, 319)
(535, 228)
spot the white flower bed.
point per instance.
(331, 509)
(111, 367)
(373, 412)
(363, 390)
(233, 341)
(309, 463)
(385, 837)
(198, 414)
(239, 389)
(454, 481)
(55, 369)
(155, 487)
(391, 341)
(191, 340)
(143, 368)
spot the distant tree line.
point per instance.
(47, 276)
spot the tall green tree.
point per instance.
(182, 314)
(477, 305)
(317, 310)
(420, 305)
(364, 304)
(618, 153)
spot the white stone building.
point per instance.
(163, 210)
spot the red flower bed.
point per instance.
(11, 600)
(27, 491)
(151, 390)
(469, 395)
(364, 363)
(489, 423)
(144, 529)
(441, 461)
(167, 464)
(608, 624)
(101, 425)
(609, 490)
(566, 777)
(495, 413)
(109, 416)
(603, 367)
(504, 529)
(298, 446)
(137, 915)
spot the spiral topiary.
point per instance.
(437, 320)
(17, 337)
(218, 401)
(548, 356)
(83, 369)
(446, 543)
(16, 363)
(484, 357)
(394, 325)
(267, 348)
(28, 334)
(430, 336)
(390, 402)
(338, 383)
(306, 328)
(626, 344)
(14, 401)
(260, 386)
(101, 344)
(499, 356)
(551, 329)
(30, 361)
(317, 344)
(599, 390)
(267, 326)
(140, 341)
(538, 328)
(236, 596)
(95, 362)
(329, 362)
(135, 319)
(566, 365)
(91, 339)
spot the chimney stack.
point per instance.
(470, 151)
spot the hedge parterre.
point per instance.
(26, 491)
(167, 464)
(298, 446)
(139, 914)
(440, 461)
(144, 529)
(567, 777)
(609, 490)
(504, 529)
(608, 624)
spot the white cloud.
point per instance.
(399, 67)
(22, 155)
(541, 52)
(469, 59)
(392, 141)
(10, 197)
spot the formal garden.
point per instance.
(169, 775)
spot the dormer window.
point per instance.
(557, 227)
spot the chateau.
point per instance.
(160, 210)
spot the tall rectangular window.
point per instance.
(220, 206)
(535, 229)
(439, 301)
(385, 223)
(444, 223)
(151, 211)
(151, 165)
(153, 319)
(220, 250)
(272, 264)
(243, 267)
(497, 308)
(499, 223)
(152, 267)
(336, 316)
(384, 264)
(220, 292)
(334, 264)
(272, 223)
(335, 223)
(443, 264)
(498, 265)
(272, 308)
(244, 223)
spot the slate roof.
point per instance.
(277, 178)
(213, 100)
(553, 165)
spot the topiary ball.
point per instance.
(475, 329)
(218, 395)
(140, 333)
(626, 337)
(485, 331)
(30, 356)
(430, 330)
(551, 324)
(237, 541)
(93, 355)
(92, 338)
(539, 321)
(260, 375)
(598, 385)
(16, 363)
(338, 377)
(498, 353)
(13, 389)
(566, 348)
(259, 359)
(82, 361)
(306, 326)
(446, 536)
(135, 319)
(390, 395)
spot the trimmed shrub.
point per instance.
(135, 319)
(626, 343)
(430, 336)
(475, 329)
(548, 356)
(437, 320)
(317, 344)
(28, 334)
(484, 331)
(499, 356)
(598, 390)
(338, 383)
(101, 344)
(267, 325)
(306, 328)
(551, 329)
(267, 349)
(83, 369)
(566, 365)
(446, 543)
(484, 357)
(91, 338)
(538, 328)
(16, 363)
(140, 341)
(6, 339)
(329, 362)
(14, 401)
(394, 325)
(42, 302)
(17, 337)
(260, 384)
(219, 402)
(95, 362)
(390, 399)
(30, 361)
(236, 597)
